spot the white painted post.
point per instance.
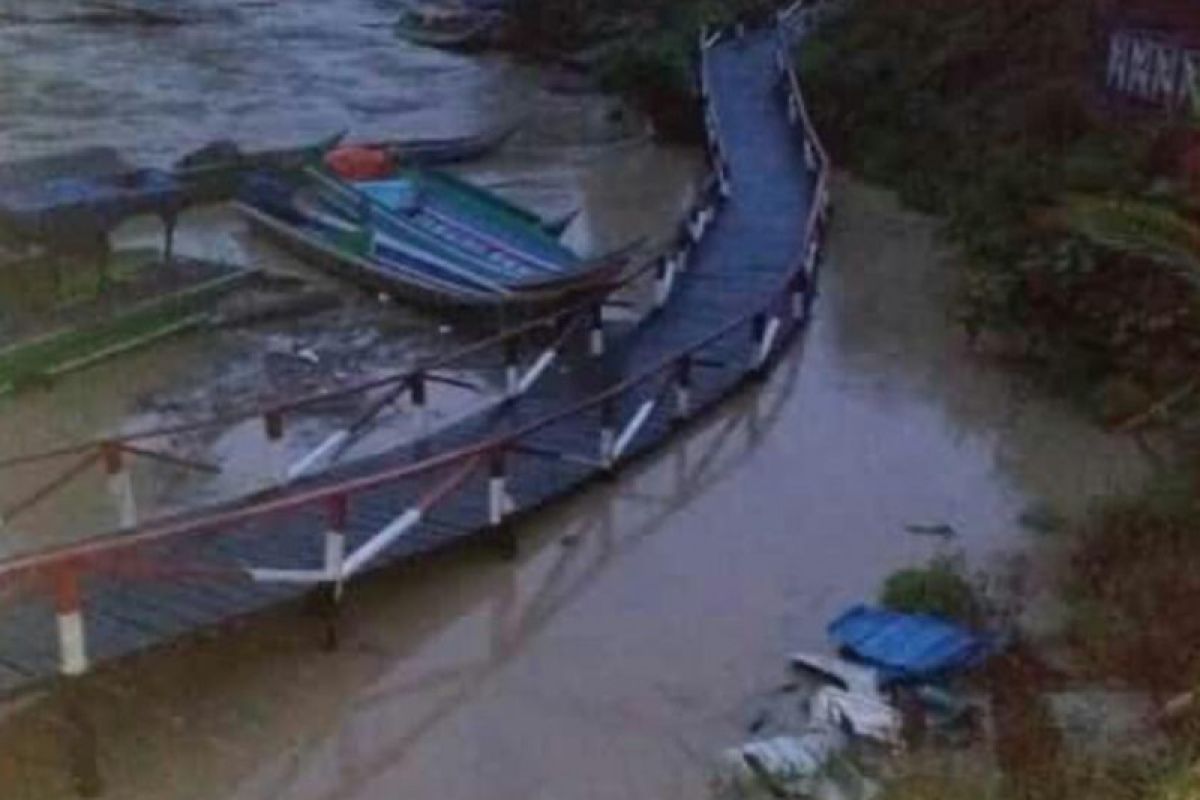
(381, 541)
(608, 433)
(723, 179)
(120, 485)
(799, 302)
(758, 332)
(335, 545)
(512, 375)
(276, 451)
(633, 427)
(766, 344)
(318, 454)
(664, 278)
(538, 368)
(596, 335)
(497, 491)
(72, 638)
(695, 226)
(500, 505)
(683, 389)
(334, 568)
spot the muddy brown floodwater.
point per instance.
(270, 74)
(644, 621)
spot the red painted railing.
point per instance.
(127, 553)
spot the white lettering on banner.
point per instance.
(1139, 68)
(1145, 67)
(1118, 61)
(1189, 83)
(1166, 72)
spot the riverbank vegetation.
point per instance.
(1081, 242)
(643, 50)
(1082, 239)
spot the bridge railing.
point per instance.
(616, 416)
(527, 351)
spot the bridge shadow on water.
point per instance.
(240, 695)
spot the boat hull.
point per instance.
(407, 282)
(471, 36)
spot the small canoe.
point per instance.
(423, 235)
(448, 27)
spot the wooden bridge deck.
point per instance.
(750, 247)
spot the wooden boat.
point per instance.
(423, 235)
(439, 152)
(449, 27)
(214, 172)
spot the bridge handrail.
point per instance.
(688, 231)
(781, 312)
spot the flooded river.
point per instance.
(645, 622)
(270, 74)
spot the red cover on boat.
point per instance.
(359, 163)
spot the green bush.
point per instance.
(979, 112)
(938, 589)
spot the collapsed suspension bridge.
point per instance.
(738, 284)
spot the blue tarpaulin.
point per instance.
(908, 646)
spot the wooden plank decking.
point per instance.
(749, 249)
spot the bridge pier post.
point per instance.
(799, 296)
(79, 734)
(683, 389)
(499, 506)
(596, 334)
(764, 329)
(277, 455)
(335, 558)
(664, 277)
(419, 394)
(810, 156)
(120, 484)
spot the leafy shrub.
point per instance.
(938, 589)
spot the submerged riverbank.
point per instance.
(645, 621)
(1078, 219)
(570, 153)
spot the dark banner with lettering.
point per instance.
(1152, 57)
(1148, 68)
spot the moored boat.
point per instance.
(451, 27)
(214, 172)
(420, 234)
